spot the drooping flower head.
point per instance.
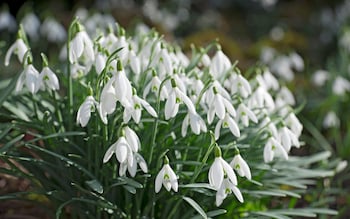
(166, 177)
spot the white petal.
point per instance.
(109, 153)
(216, 174)
(132, 139)
(136, 115)
(127, 114)
(142, 163)
(237, 193)
(9, 53)
(211, 114)
(31, 76)
(133, 168)
(148, 107)
(217, 129)
(122, 169)
(20, 83)
(122, 150)
(268, 153)
(170, 105)
(159, 180)
(229, 107)
(233, 127)
(146, 90)
(229, 171)
(172, 176)
(184, 125)
(219, 106)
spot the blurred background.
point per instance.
(305, 43)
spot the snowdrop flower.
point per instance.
(132, 139)
(178, 57)
(195, 121)
(122, 86)
(272, 148)
(219, 169)
(176, 96)
(220, 64)
(340, 86)
(270, 126)
(270, 81)
(48, 79)
(110, 42)
(205, 60)
(19, 48)
(288, 138)
(134, 61)
(331, 120)
(261, 98)
(108, 100)
(286, 96)
(77, 70)
(135, 109)
(267, 54)
(81, 46)
(238, 84)
(100, 62)
(227, 122)
(7, 21)
(226, 188)
(283, 67)
(219, 106)
(29, 77)
(320, 77)
(31, 25)
(85, 109)
(245, 114)
(294, 124)
(163, 61)
(122, 151)
(53, 30)
(123, 43)
(241, 166)
(154, 86)
(166, 177)
(296, 61)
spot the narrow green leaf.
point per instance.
(130, 189)
(95, 185)
(295, 212)
(197, 185)
(269, 215)
(68, 161)
(321, 211)
(8, 90)
(5, 131)
(266, 193)
(4, 148)
(216, 212)
(196, 206)
(131, 182)
(16, 111)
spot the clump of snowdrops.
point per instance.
(130, 126)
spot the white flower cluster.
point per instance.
(30, 77)
(203, 86)
(282, 65)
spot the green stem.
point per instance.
(58, 111)
(156, 121)
(197, 172)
